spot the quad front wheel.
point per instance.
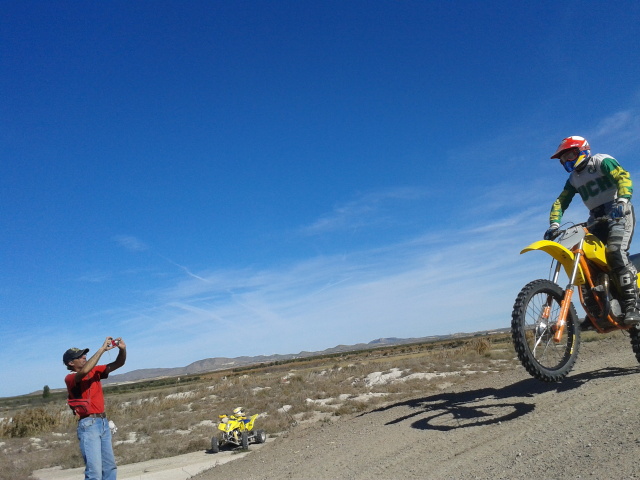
(533, 324)
(215, 444)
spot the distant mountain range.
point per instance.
(224, 363)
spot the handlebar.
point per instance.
(596, 221)
(588, 226)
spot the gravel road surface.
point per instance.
(496, 426)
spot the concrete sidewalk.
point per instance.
(181, 467)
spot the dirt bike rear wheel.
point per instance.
(634, 335)
(532, 334)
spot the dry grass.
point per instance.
(159, 422)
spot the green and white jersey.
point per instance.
(602, 180)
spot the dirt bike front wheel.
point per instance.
(533, 324)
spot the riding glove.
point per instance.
(619, 209)
(551, 232)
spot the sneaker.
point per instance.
(632, 316)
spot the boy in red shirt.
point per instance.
(87, 401)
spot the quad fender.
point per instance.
(562, 254)
(229, 426)
(249, 423)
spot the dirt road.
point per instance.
(499, 426)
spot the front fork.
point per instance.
(546, 310)
(568, 293)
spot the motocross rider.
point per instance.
(238, 413)
(606, 190)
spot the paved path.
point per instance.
(181, 467)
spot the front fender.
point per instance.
(562, 254)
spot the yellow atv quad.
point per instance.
(237, 430)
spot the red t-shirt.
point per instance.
(89, 388)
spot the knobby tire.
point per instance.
(634, 335)
(544, 359)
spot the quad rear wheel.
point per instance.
(533, 324)
(261, 436)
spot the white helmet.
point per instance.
(238, 411)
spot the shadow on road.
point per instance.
(486, 406)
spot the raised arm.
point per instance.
(93, 361)
(122, 355)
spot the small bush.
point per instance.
(30, 422)
(480, 345)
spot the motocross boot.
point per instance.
(629, 296)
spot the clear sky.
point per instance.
(226, 178)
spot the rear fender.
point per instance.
(562, 254)
(249, 423)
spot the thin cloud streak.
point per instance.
(620, 132)
(183, 268)
(130, 243)
(366, 210)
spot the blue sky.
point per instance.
(209, 178)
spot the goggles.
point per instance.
(569, 155)
(569, 158)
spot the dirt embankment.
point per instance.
(497, 426)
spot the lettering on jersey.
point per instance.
(594, 187)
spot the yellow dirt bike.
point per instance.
(544, 324)
(237, 430)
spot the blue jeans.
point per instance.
(95, 445)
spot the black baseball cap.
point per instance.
(72, 354)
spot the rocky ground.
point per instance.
(494, 426)
(502, 426)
